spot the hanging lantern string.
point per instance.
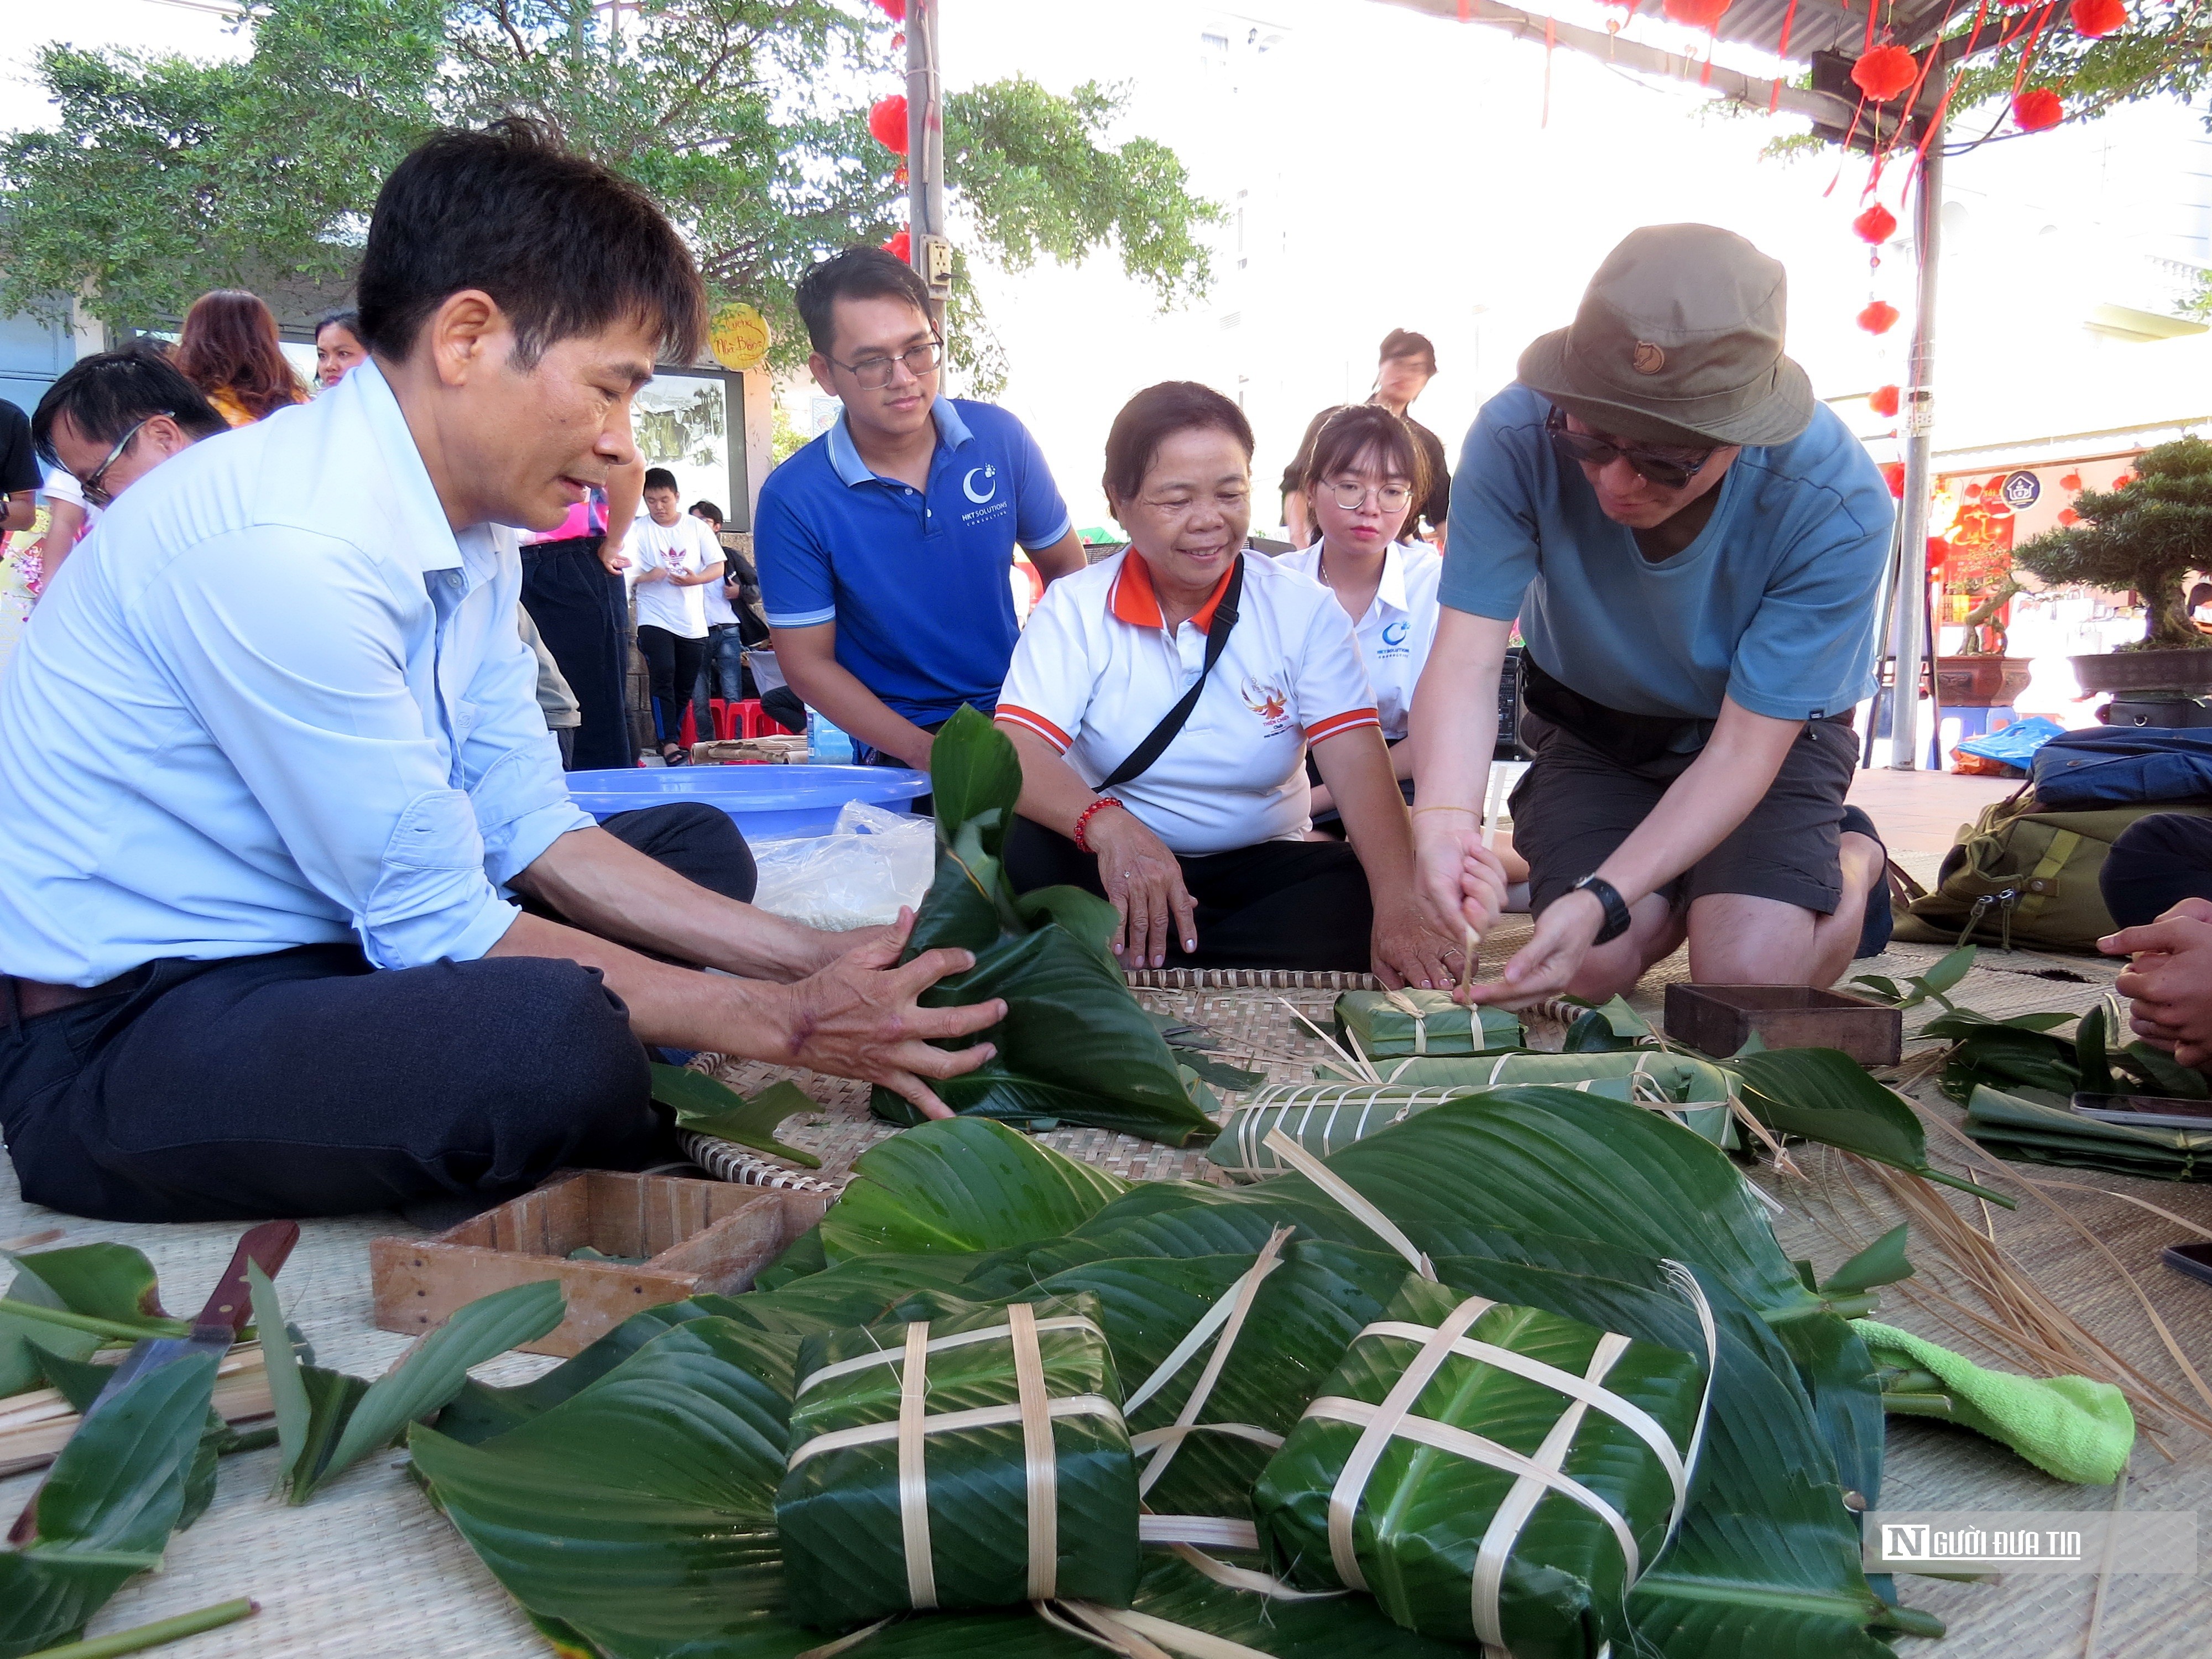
(1774, 92)
(1950, 90)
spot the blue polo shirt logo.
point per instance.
(968, 485)
(1394, 636)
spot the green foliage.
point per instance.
(2146, 536)
(2165, 52)
(716, 1108)
(111, 1284)
(166, 177)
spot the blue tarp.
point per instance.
(2015, 744)
(2124, 766)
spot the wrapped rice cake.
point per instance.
(1387, 1024)
(1490, 1473)
(977, 1460)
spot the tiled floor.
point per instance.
(1919, 813)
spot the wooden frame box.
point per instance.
(1718, 1019)
(698, 1236)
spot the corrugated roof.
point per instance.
(1821, 26)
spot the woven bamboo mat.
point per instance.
(369, 1570)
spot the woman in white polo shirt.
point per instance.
(1202, 849)
(1365, 473)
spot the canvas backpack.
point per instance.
(2021, 875)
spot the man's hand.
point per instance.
(1547, 965)
(860, 1017)
(1458, 882)
(1144, 881)
(611, 555)
(2169, 982)
(1408, 951)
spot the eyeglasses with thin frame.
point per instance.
(1389, 497)
(1668, 472)
(97, 493)
(874, 373)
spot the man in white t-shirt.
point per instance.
(676, 556)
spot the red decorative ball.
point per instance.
(900, 247)
(1879, 317)
(1886, 71)
(2038, 108)
(1698, 13)
(887, 123)
(2067, 515)
(894, 9)
(1893, 474)
(2096, 17)
(1877, 225)
(1883, 401)
(2122, 481)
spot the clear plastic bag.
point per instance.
(857, 876)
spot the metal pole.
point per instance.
(930, 253)
(1919, 444)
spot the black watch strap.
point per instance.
(1616, 912)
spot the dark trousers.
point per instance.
(1296, 904)
(2156, 862)
(673, 664)
(583, 616)
(304, 1082)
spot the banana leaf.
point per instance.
(327, 1421)
(839, 1511)
(107, 1506)
(1389, 1025)
(1422, 1518)
(961, 1185)
(2024, 1130)
(104, 1281)
(1074, 1046)
(2015, 1057)
(1825, 1096)
(712, 1107)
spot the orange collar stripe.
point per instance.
(1135, 601)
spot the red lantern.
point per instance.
(1886, 71)
(2068, 515)
(1882, 400)
(2122, 481)
(2071, 481)
(900, 247)
(1698, 13)
(894, 9)
(2037, 109)
(887, 123)
(1877, 225)
(1879, 317)
(1893, 474)
(2096, 17)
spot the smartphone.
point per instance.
(2195, 1260)
(2146, 1111)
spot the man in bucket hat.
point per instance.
(1694, 548)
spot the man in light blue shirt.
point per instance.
(261, 950)
(1694, 548)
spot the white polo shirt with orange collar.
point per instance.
(1399, 628)
(1097, 667)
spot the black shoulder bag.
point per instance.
(1217, 640)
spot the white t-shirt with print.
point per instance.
(682, 549)
(1096, 668)
(1399, 628)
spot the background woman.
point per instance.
(1202, 851)
(337, 346)
(228, 350)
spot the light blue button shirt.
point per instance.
(274, 701)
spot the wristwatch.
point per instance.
(1616, 913)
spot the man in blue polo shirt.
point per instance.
(883, 545)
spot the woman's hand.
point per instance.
(1144, 881)
(1408, 951)
(860, 1017)
(1458, 883)
(2169, 982)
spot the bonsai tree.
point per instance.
(2146, 536)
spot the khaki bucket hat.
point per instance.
(1678, 341)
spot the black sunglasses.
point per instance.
(1667, 472)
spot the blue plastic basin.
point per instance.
(769, 803)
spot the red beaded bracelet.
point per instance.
(1084, 817)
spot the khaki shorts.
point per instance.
(1575, 807)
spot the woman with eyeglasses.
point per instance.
(1163, 701)
(1694, 547)
(228, 350)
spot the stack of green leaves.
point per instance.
(1075, 1046)
(1490, 1472)
(1386, 1024)
(974, 1460)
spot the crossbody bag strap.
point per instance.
(1217, 640)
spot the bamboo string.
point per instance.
(912, 1471)
(1042, 1469)
(2104, 1568)
(1349, 1197)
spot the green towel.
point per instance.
(2067, 1426)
